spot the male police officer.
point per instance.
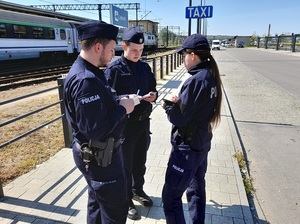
(98, 122)
(129, 74)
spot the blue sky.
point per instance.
(230, 17)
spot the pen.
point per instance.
(138, 91)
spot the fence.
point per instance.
(284, 42)
(161, 66)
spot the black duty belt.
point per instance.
(100, 151)
(139, 117)
(103, 144)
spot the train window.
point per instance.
(62, 34)
(20, 31)
(38, 32)
(3, 31)
(51, 33)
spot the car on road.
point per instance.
(240, 45)
(216, 44)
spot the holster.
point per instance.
(103, 151)
(187, 132)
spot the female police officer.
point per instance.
(97, 122)
(194, 112)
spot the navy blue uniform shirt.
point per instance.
(91, 107)
(196, 104)
(127, 77)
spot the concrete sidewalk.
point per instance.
(55, 192)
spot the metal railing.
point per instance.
(17, 118)
(161, 66)
(283, 42)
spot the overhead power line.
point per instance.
(99, 7)
(59, 7)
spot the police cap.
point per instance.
(97, 29)
(133, 35)
(195, 41)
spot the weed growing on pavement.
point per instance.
(246, 180)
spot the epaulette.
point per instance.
(89, 74)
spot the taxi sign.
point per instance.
(193, 12)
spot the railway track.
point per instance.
(28, 73)
(34, 77)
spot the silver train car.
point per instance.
(150, 41)
(24, 36)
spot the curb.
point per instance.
(252, 210)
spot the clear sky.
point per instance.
(230, 17)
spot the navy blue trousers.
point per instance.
(135, 147)
(186, 171)
(107, 191)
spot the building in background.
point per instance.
(245, 40)
(147, 26)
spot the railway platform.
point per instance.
(55, 192)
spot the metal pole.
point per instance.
(136, 14)
(1, 190)
(293, 42)
(204, 23)
(68, 137)
(167, 63)
(167, 36)
(161, 67)
(154, 68)
(190, 22)
(199, 22)
(172, 62)
(99, 11)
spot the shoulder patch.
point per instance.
(89, 99)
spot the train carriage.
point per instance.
(150, 41)
(30, 36)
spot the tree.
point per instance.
(253, 38)
(167, 37)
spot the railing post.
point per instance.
(167, 63)
(161, 67)
(175, 58)
(154, 68)
(66, 126)
(277, 44)
(172, 63)
(293, 42)
(1, 190)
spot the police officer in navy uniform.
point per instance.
(129, 74)
(98, 121)
(193, 113)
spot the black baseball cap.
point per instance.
(195, 41)
(133, 35)
(100, 29)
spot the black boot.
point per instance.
(132, 212)
(142, 198)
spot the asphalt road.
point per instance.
(263, 89)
